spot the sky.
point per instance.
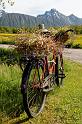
(36, 7)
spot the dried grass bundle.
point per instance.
(40, 44)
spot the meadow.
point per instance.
(63, 105)
(6, 38)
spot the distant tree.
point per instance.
(14, 30)
(3, 3)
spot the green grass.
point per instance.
(63, 105)
(75, 43)
(10, 96)
(7, 38)
(78, 41)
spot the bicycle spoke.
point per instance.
(31, 100)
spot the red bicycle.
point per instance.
(39, 77)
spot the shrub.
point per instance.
(9, 56)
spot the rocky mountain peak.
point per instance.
(52, 12)
(73, 16)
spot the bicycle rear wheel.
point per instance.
(59, 70)
(33, 95)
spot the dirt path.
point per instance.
(73, 54)
(6, 46)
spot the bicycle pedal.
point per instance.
(61, 76)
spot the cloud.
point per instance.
(35, 7)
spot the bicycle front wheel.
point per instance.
(33, 95)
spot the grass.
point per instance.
(11, 38)
(10, 96)
(9, 56)
(7, 38)
(75, 43)
(78, 41)
(63, 105)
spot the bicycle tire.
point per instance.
(59, 70)
(32, 108)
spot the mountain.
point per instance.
(17, 20)
(53, 18)
(75, 20)
(49, 18)
(2, 12)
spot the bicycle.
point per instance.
(40, 75)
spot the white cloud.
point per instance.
(35, 7)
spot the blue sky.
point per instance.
(35, 7)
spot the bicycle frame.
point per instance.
(52, 67)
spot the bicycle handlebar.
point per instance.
(69, 30)
(62, 33)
